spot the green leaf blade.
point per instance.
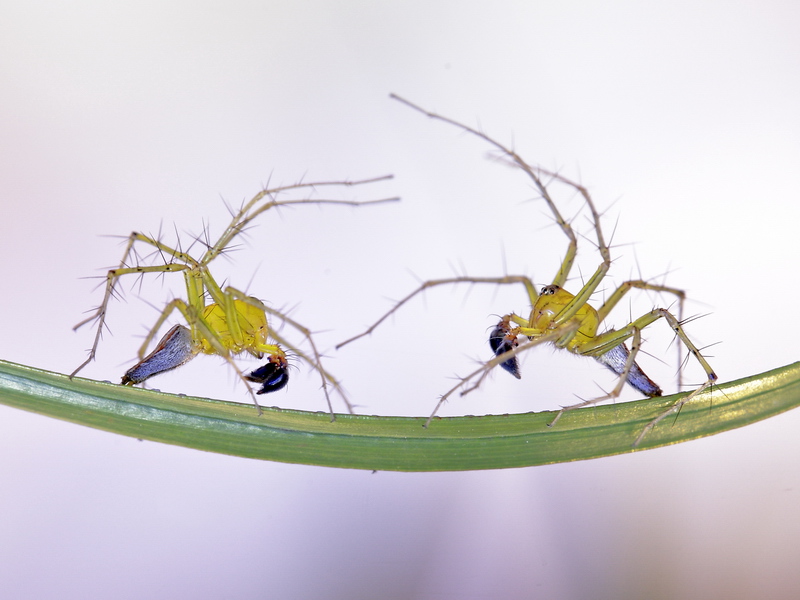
(395, 443)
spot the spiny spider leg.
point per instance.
(504, 357)
(436, 282)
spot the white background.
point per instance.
(682, 118)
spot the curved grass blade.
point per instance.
(394, 443)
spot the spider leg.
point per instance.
(480, 374)
(606, 342)
(626, 286)
(624, 372)
(529, 287)
(113, 275)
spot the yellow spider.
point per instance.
(559, 317)
(232, 322)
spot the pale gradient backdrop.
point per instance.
(683, 120)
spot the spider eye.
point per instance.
(272, 376)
